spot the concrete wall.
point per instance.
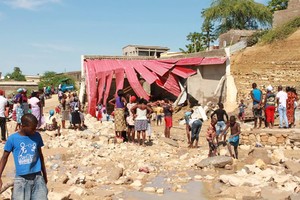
(283, 16)
(203, 85)
(233, 36)
(11, 87)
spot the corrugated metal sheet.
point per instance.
(171, 85)
(189, 61)
(213, 61)
(143, 71)
(183, 71)
(91, 86)
(157, 67)
(133, 81)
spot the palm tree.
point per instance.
(237, 14)
(197, 43)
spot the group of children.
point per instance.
(216, 133)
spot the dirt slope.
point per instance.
(275, 64)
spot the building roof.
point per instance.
(146, 47)
(18, 83)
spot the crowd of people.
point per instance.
(134, 117)
(266, 104)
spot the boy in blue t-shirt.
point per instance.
(31, 177)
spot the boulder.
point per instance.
(273, 194)
(170, 141)
(256, 153)
(292, 166)
(294, 196)
(216, 161)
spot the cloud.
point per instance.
(28, 4)
(53, 47)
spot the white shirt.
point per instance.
(3, 105)
(282, 96)
(33, 101)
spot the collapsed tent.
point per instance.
(164, 73)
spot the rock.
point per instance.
(216, 161)
(115, 173)
(160, 191)
(273, 194)
(228, 167)
(170, 141)
(277, 157)
(77, 190)
(149, 189)
(293, 167)
(136, 184)
(281, 179)
(198, 177)
(260, 164)
(258, 153)
(294, 196)
(59, 196)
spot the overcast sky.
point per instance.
(51, 35)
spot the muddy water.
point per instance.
(193, 190)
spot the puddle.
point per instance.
(193, 190)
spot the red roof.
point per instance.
(164, 73)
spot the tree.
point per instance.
(16, 75)
(197, 43)
(237, 14)
(51, 78)
(208, 33)
(275, 5)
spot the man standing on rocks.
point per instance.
(256, 95)
(281, 97)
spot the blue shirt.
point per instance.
(256, 95)
(25, 150)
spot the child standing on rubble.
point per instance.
(26, 145)
(234, 137)
(210, 137)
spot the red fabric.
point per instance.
(290, 106)
(270, 110)
(168, 121)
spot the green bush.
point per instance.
(255, 38)
(281, 32)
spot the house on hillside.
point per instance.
(141, 50)
(283, 16)
(200, 75)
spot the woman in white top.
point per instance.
(140, 114)
(35, 104)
